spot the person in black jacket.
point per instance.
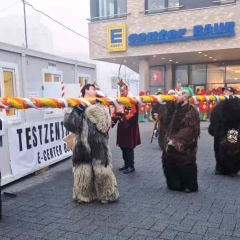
(225, 117)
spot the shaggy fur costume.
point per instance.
(226, 116)
(165, 113)
(179, 159)
(91, 154)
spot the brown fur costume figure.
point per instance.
(180, 147)
(225, 118)
(91, 154)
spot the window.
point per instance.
(83, 80)
(197, 74)
(215, 73)
(220, 2)
(105, 9)
(157, 78)
(56, 78)
(8, 88)
(48, 77)
(121, 7)
(173, 3)
(181, 75)
(233, 73)
(215, 77)
(153, 6)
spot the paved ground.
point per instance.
(43, 208)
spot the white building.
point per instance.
(32, 139)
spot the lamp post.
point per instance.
(25, 23)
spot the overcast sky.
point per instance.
(72, 13)
(57, 40)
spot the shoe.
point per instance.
(123, 168)
(217, 172)
(129, 170)
(104, 202)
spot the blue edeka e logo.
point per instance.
(117, 38)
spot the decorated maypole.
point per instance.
(25, 103)
(119, 76)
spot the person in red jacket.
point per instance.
(128, 135)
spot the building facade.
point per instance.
(196, 43)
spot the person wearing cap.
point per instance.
(228, 91)
(225, 117)
(180, 145)
(92, 167)
(128, 134)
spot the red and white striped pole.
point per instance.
(63, 89)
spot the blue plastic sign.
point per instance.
(216, 30)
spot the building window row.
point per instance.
(111, 9)
(208, 76)
(153, 6)
(158, 6)
(7, 87)
(108, 9)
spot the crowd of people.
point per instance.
(178, 131)
(178, 134)
(147, 111)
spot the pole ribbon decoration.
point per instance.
(119, 74)
(25, 103)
